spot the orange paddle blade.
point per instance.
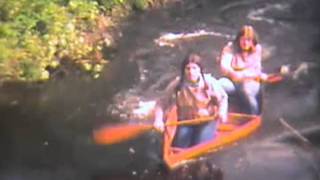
(274, 78)
(119, 133)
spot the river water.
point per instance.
(46, 128)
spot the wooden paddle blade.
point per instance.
(119, 133)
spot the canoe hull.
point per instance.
(238, 127)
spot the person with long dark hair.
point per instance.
(196, 95)
(240, 63)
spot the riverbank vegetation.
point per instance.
(42, 39)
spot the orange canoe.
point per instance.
(238, 127)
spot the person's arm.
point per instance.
(226, 59)
(162, 103)
(222, 104)
(158, 121)
(226, 63)
(222, 99)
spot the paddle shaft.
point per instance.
(272, 78)
(206, 119)
(192, 121)
(120, 133)
(241, 115)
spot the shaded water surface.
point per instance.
(46, 128)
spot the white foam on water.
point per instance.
(259, 14)
(169, 39)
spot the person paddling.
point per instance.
(196, 95)
(240, 63)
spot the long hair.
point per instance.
(249, 32)
(190, 58)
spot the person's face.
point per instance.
(246, 43)
(192, 72)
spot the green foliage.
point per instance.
(37, 34)
(107, 5)
(140, 4)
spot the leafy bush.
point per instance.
(37, 34)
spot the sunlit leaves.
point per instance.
(37, 34)
(140, 4)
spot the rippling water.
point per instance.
(46, 129)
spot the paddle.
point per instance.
(123, 132)
(281, 75)
(275, 77)
(271, 79)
